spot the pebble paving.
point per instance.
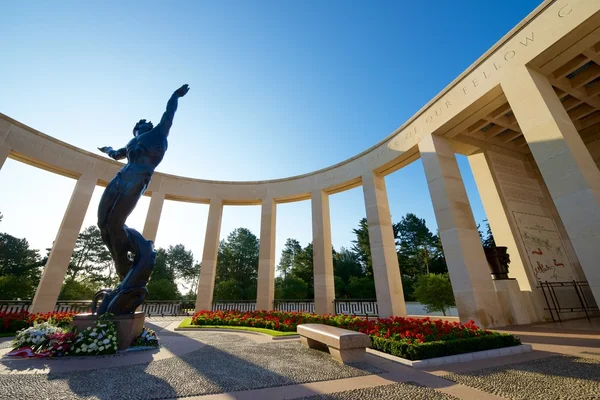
(396, 391)
(226, 363)
(7, 344)
(559, 377)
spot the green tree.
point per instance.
(161, 270)
(228, 290)
(181, 262)
(347, 265)
(192, 277)
(438, 261)
(291, 287)
(91, 259)
(20, 268)
(162, 289)
(304, 269)
(14, 287)
(16, 258)
(362, 246)
(78, 290)
(237, 261)
(361, 287)
(417, 245)
(434, 291)
(488, 240)
(289, 254)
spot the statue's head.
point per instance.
(141, 127)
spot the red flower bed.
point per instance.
(14, 321)
(413, 330)
(412, 338)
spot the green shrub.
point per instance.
(422, 351)
(434, 291)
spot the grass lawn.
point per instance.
(7, 334)
(187, 323)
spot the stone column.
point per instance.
(492, 179)
(4, 151)
(572, 177)
(386, 272)
(499, 216)
(322, 254)
(266, 263)
(153, 217)
(206, 285)
(53, 276)
(472, 285)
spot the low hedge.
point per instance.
(187, 323)
(422, 351)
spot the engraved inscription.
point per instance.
(545, 249)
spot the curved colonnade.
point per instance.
(516, 68)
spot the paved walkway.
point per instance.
(565, 363)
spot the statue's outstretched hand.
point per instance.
(182, 91)
(105, 149)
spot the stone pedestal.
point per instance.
(129, 326)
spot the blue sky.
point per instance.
(278, 88)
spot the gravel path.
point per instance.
(408, 390)
(6, 344)
(560, 377)
(226, 363)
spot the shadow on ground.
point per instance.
(221, 362)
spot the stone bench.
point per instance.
(344, 345)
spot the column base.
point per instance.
(516, 305)
(481, 306)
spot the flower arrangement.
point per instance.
(48, 339)
(101, 339)
(147, 338)
(61, 343)
(36, 337)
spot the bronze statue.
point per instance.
(144, 152)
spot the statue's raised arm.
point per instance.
(114, 154)
(167, 118)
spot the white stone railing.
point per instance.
(229, 305)
(360, 307)
(10, 306)
(294, 305)
(168, 307)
